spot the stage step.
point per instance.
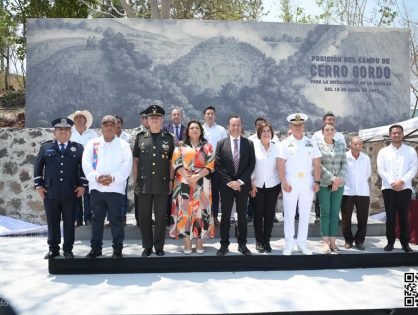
(176, 261)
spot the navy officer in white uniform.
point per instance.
(298, 156)
(59, 181)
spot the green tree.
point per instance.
(13, 21)
(178, 9)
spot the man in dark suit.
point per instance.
(235, 162)
(59, 181)
(176, 128)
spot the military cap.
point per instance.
(143, 114)
(62, 123)
(155, 110)
(297, 118)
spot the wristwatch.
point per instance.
(317, 182)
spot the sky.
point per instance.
(310, 7)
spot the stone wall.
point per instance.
(19, 147)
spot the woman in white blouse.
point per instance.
(265, 185)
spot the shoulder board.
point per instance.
(49, 141)
(166, 133)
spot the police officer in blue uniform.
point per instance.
(59, 181)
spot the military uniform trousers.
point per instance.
(146, 203)
(302, 195)
(102, 204)
(54, 210)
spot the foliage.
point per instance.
(13, 100)
(343, 12)
(217, 9)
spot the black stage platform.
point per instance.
(228, 263)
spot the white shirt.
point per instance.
(254, 137)
(125, 136)
(299, 155)
(357, 175)
(83, 138)
(214, 134)
(233, 144)
(394, 164)
(265, 171)
(319, 137)
(113, 158)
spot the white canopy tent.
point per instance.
(410, 127)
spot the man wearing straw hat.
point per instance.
(81, 133)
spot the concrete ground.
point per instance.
(27, 285)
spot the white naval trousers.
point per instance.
(302, 192)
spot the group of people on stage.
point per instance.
(180, 172)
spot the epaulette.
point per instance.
(47, 141)
(168, 133)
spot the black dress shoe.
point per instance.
(222, 251)
(68, 254)
(244, 250)
(360, 246)
(78, 223)
(94, 253)
(388, 247)
(407, 249)
(249, 219)
(146, 252)
(52, 254)
(259, 247)
(117, 254)
(159, 252)
(87, 222)
(267, 247)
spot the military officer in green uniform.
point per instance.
(153, 174)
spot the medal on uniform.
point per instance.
(73, 149)
(300, 175)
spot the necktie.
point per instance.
(62, 147)
(177, 133)
(236, 155)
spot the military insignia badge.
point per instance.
(73, 149)
(300, 175)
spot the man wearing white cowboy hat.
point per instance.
(298, 155)
(81, 133)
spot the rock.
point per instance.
(24, 176)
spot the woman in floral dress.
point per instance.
(191, 216)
